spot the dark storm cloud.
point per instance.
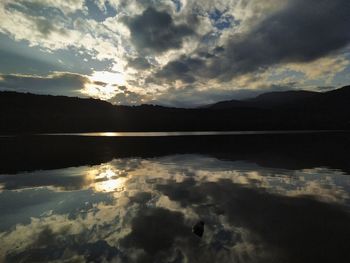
(57, 83)
(156, 31)
(291, 229)
(141, 197)
(182, 69)
(155, 231)
(300, 32)
(49, 245)
(189, 96)
(44, 26)
(139, 63)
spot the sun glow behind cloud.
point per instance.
(104, 85)
(175, 53)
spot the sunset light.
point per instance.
(104, 85)
(175, 131)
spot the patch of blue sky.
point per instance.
(287, 74)
(211, 38)
(78, 60)
(34, 9)
(316, 84)
(97, 14)
(178, 5)
(50, 15)
(342, 77)
(221, 20)
(18, 57)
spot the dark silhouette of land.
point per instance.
(285, 151)
(290, 110)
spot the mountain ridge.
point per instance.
(289, 96)
(294, 110)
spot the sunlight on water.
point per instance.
(182, 133)
(110, 185)
(106, 179)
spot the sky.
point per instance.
(179, 53)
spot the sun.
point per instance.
(104, 85)
(109, 77)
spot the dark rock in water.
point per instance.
(198, 228)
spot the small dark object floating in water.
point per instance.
(198, 229)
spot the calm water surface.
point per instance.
(258, 205)
(180, 133)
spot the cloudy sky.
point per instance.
(173, 52)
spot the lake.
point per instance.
(263, 197)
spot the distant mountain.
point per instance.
(24, 112)
(282, 99)
(229, 104)
(286, 99)
(267, 100)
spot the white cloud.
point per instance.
(66, 6)
(323, 68)
(75, 218)
(110, 40)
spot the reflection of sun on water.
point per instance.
(107, 179)
(104, 85)
(114, 185)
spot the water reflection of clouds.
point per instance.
(107, 178)
(142, 210)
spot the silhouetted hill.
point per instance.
(282, 99)
(268, 100)
(229, 104)
(335, 99)
(27, 113)
(291, 99)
